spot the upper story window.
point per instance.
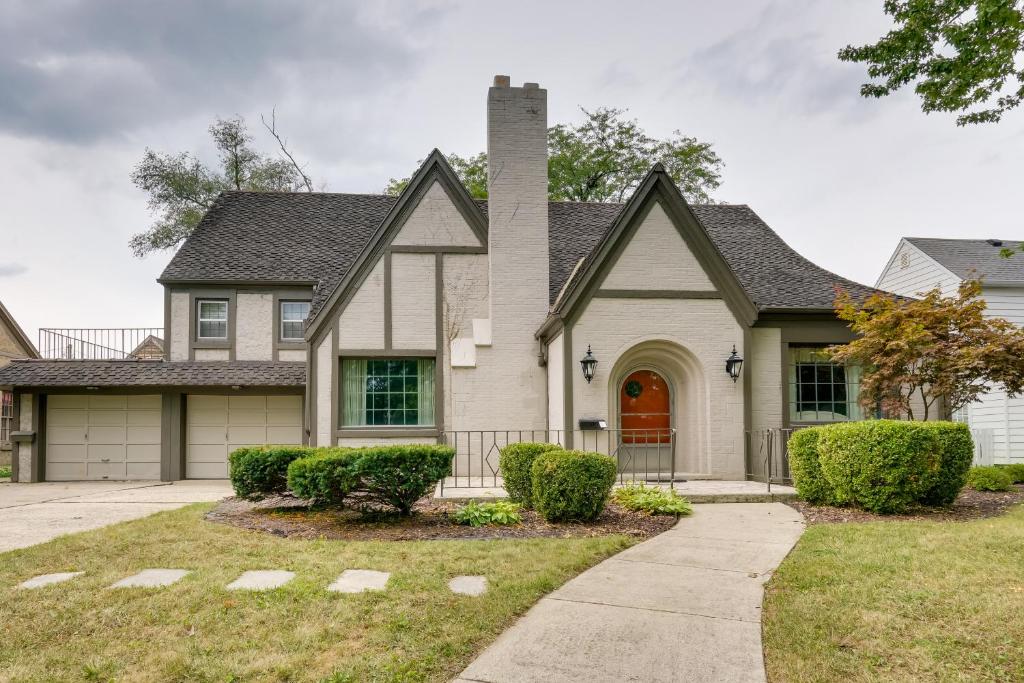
(293, 319)
(387, 392)
(821, 390)
(212, 315)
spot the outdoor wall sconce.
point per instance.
(733, 364)
(589, 364)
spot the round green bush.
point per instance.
(805, 466)
(956, 452)
(881, 465)
(989, 479)
(571, 485)
(327, 477)
(398, 476)
(1016, 472)
(516, 465)
(260, 471)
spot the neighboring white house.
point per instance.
(354, 319)
(920, 264)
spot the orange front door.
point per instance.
(645, 412)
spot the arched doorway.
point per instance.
(645, 408)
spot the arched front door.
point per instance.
(645, 408)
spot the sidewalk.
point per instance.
(683, 606)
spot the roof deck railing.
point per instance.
(101, 343)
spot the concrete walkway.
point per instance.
(683, 606)
(35, 513)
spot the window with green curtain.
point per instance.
(387, 392)
(821, 390)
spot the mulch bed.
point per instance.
(294, 518)
(970, 504)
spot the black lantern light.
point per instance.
(733, 364)
(589, 364)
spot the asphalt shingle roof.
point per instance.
(316, 237)
(974, 258)
(152, 373)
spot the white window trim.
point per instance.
(280, 331)
(200, 319)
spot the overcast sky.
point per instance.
(364, 90)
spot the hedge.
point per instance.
(400, 475)
(327, 477)
(260, 471)
(571, 485)
(516, 465)
(989, 479)
(956, 452)
(808, 479)
(1016, 472)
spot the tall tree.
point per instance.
(181, 188)
(930, 349)
(603, 159)
(963, 56)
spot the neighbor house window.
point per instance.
(213, 319)
(387, 392)
(821, 390)
(293, 319)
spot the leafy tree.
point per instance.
(962, 55)
(932, 348)
(603, 159)
(181, 188)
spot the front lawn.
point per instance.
(898, 601)
(196, 630)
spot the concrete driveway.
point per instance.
(35, 513)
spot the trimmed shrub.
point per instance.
(479, 514)
(956, 452)
(1016, 472)
(989, 478)
(261, 471)
(880, 465)
(651, 499)
(805, 466)
(400, 475)
(571, 485)
(515, 464)
(326, 477)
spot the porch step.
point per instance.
(695, 490)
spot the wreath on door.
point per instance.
(634, 388)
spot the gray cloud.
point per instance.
(12, 269)
(85, 70)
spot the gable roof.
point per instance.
(19, 334)
(974, 258)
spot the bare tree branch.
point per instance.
(283, 144)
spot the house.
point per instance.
(920, 264)
(359, 319)
(14, 343)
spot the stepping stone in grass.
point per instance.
(359, 580)
(468, 585)
(261, 580)
(49, 579)
(152, 578)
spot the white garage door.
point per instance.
(102, 437)
(218, 425)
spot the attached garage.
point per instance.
(102, 437)
(217, 425)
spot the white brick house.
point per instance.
(352, 319)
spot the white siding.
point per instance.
(911, 272)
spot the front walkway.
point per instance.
(683, 606)
(35, 513)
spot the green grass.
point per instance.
(416, 630)
(899, 601)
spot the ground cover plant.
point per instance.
(652, 500)
(989, 479)
(499, 512)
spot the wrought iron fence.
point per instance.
(112, 343)
(6, 416)
(641, 454)
(768, 456)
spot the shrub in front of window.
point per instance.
(516, 465)
(651, 499)
(571, 485)
(400, 475)
(326, 477)
(498, 513)
(260, 471)
(1016, 472)
(956, 452)
(881, 465)
(805, 466)
(989, 479)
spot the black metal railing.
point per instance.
(767, 456)
(646, 455)
(95, 343)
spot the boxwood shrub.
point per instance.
(516, 465)
(989, 479)
(880, 465)
(400, 475)
(1016, 472)
(804, 465)
(326, 477)
(260, 471)
(571, 485)
(956, 452)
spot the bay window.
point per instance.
(394, 392)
